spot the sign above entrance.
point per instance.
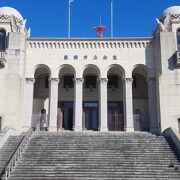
(95, 57)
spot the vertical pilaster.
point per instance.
(78, 102)
(53, 103)
(28, 102)
(128, 104)
(152, 100)
(103, 104)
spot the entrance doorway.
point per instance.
(115, 116)
(91, 115)
(67, 115)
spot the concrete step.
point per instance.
(95, 155)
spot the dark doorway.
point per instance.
(115, 116)
(91, 115)
(67, 115)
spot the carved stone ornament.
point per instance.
(164, 26)
(2, 63)
(78, 80)
(17, 24)
(30, 80)
(128, 80)
(103, 80)
(175, 16)
(54, 80)
(5, 17)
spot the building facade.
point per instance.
(108, 84)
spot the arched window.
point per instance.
(178, 39)
(2, 39)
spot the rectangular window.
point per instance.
(112, 81)
(85, 57)
(114, 57)
(65, 57)
(68, 82)
(90, 81)
(2, 40)
(76, 57)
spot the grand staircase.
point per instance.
(95, 155)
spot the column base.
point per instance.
(103, 129)
(52, 129)
(77, 129)
(129, 129)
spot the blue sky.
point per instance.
(132, 18)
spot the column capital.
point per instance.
(30, 80)
(103, 80)
(127, 80)
(54, 80)
(78, 80)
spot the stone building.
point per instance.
(108, 84)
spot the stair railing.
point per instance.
(18, 151)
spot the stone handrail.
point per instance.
(89, 43)
(173, 138)
(174, 135)
(17, 153)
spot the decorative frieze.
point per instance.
(175, 16)
(58, 44)
(5, 17)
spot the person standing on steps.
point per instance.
(43, 121)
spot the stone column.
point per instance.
(152, 100)
(53, 104)
(103, 104)
(28, 103)
(128, 104)
(78, 103)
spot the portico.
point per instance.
(92, 101)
